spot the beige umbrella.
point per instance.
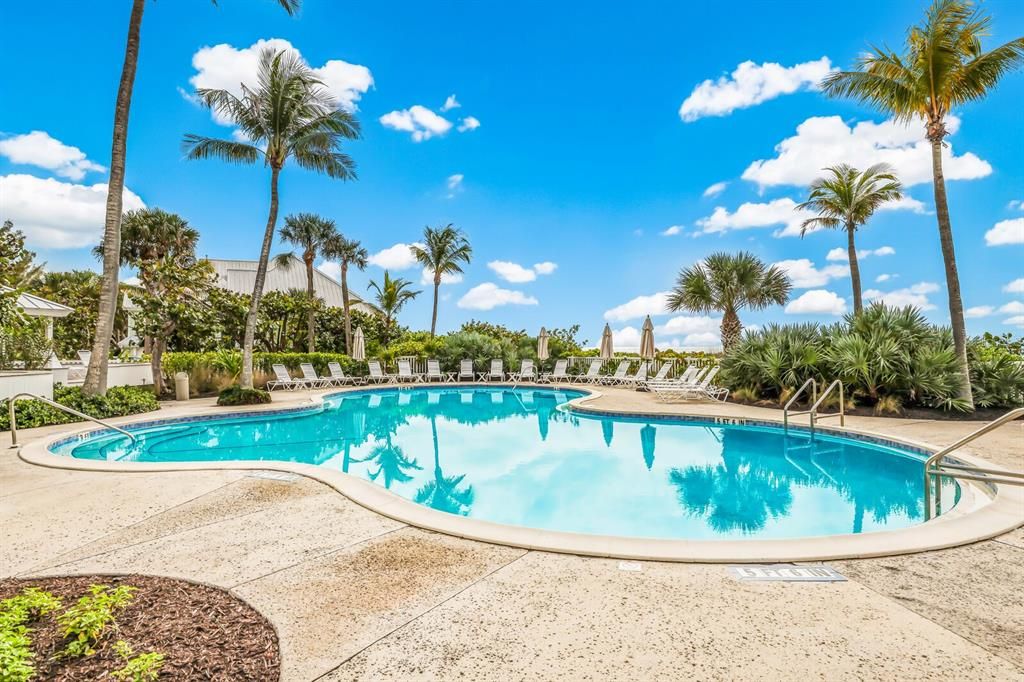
(647, 340)
(542, 346)
(606, 343)
(359, 345)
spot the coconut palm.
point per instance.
(443, 251)
(847, 198)
(942, 66)
(727, 283)
(288, 114)
(392, 295)
(349, 252)
(96, 374)
(316, 236)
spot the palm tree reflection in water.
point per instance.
(443, 492)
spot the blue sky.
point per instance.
(583, 155)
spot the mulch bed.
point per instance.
(203, 632)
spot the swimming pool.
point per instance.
(516, 456)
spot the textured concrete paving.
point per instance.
(357, 596)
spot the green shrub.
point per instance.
(16, 657)
(85, 622)
(997, 370)
(143, 667)
(118, 402)
(236, 395)
(212, 370)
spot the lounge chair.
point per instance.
(526, 372)
(639, 377)
(377, 375)
(405, 373)
(663, 371)
(592, 375)
(284, 380)
(496, 372)
(312, 379)
(339, 378)
(433, 372)
(558, 374)
(699, 388)
(466, 370)
(619, 376)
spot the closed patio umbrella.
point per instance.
(647, 340)
(606, 343)
(647, 434)
(359, 345)
(542, 345)
(608, 431)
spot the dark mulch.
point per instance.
(981, 414)
(204, 632)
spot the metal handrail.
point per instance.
(789, 403)
(933, 466)
(51, 403)
(842, 405)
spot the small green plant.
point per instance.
(888, 405)
(236, 395)
(16, 656)
(86, 621)
(745, 394)
(143, 667)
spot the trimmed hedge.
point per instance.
(236, 395)
(118, 402)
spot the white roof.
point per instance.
(36, 306)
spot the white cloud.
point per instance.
(397, 257)
(751, 215)
(517, 274)
(489, 295)
(840, 255)
(880, 251)
(671, 231)
(58, 214)
(37, 148)
(224, 67)
(915, 295)
(421, 122)
(804, 275)
(132, 281)
(450, 103)
(627, 338)
(655, 304)
(1012, 308)
(1015, 204)
(979, 311)
(469, 123)
(545, 268)
(751, 84)
(1015, 287)
(884, 277)
(906, 203)
(817, 302)
(702, 340)
(1015, 321)
(1006, 232)
(681, 325)
(331, 268)
(427, 277)
(454, 184)
(715, 189)
(823, 141)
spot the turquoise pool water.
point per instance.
(514, 456)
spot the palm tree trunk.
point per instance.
(96, 374)
(433, 317)
(731, 329)
(956, 303)
(858, 305)
(344, 304)
(311, 313)
(257, 288)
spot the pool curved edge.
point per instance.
(981, 513)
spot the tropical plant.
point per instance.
(392, 295)
(287, 115)
(727, 283)
(444, 250)
(84, 623)
(846, 198)
(942, 66)
(18, 268)
(350, 253)
(315, 236)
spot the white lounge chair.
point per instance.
(663, 371)
(496, 372)
(433, 372)
(698, 389)
(619, 376)
(309, 375)
(284, 380)
(638, 378)
(466, 370)
(558, 374)
(592, 375)
(377, 375)
(526, 372)
(405, 373)
(339, 378)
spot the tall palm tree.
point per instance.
(846, 198)
(392, 295)
(727, 283)
(349, 252)
(316, 236)
(287, 115)
(96, 374)
(942, 66)
(444, 248)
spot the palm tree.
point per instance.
(288, 115)
(315, 236)
(444, 248)
(847, 198)
(392, 296)
(443, 493)
(349, 252)
(942, 67)
(727, 283)
(96, 374)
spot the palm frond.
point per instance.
(200, 147)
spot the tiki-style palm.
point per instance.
(847, 198)
(349, 252)
(316, 236)
(942, 67)
(96, 374)
(444, 250)
(288, 114)
(392, 295)
(443, 493)
(727, 283)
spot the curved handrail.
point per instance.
(789, 403)
(842, 404)
(65, 408)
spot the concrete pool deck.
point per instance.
(356, 595)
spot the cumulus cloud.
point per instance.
(817, 302)
(225, 67)
(450, 103)
(685, 325)
(454, 184)
(1012, 308)
(517, 274)
(420, 122)
(671, 231)
(715, 189)
(804, 275)
(752, 215)
(750, 84)
(627, 338)
(427, 277)
(58, 214)
(469, 123)
(655, 304)
(905, 203)
(1006, 232)
(840, 255)
(1015, 205)
(331, 268)
(545, 268)
(1015, 321)
(1015, 287)
(489, 295)
(823, 141)
(915, 295)
(37, 148)
(979, 311)
(884, 277)
(397, 257)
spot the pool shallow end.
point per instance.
(977, 517)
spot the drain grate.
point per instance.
(788, 573)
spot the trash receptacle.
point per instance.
(181, 386)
